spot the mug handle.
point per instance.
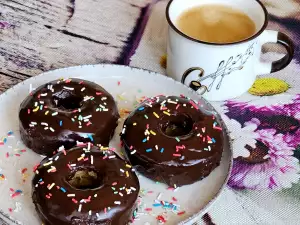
(279, 38)
(195, 85)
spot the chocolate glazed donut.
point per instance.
(62, 112)
(173, 140)
(85, 186)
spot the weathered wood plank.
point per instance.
(52, 34)
(7, 82)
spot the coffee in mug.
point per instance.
(214, 48)
(216, 24)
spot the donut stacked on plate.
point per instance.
(88, 184)
(173, 140)
(85, 185)
(62, 112)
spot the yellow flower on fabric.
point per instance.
(268, 86)
(163, 61)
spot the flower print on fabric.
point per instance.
(283, 118)
(271, 164)
(220, 107)
(241, 136)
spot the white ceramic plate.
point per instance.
(126, 85)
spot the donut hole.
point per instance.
(176, 125)
(67, 100)
(84, 179)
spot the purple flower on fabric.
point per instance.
(241, 136)
(292, 108)
(284, 118)
(271, 164)
(266, 103)
(5, 25)
(293, 139)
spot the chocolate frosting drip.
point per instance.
(173, 140)
(65, 111)
(110, 201)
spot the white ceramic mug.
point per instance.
(222, 71)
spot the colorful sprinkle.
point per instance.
(90, 137)
(161, 219)
(51, 186)
(24, 170)
(157, 205)
(152, 132)
(16, 193)
(134, 151)
(181, 213)
(165, 112)
(2, 177)
(217, 128)
(68, 88)
(194, 105)
(159, 196)
(155, 114)
(36, 109)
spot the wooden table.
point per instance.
(41, 35)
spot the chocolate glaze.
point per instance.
(75, 101)
(56, 208)
(199, 146)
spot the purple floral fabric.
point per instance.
(267, 150)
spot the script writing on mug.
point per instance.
(216, 23)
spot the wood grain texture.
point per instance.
(47, 34)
